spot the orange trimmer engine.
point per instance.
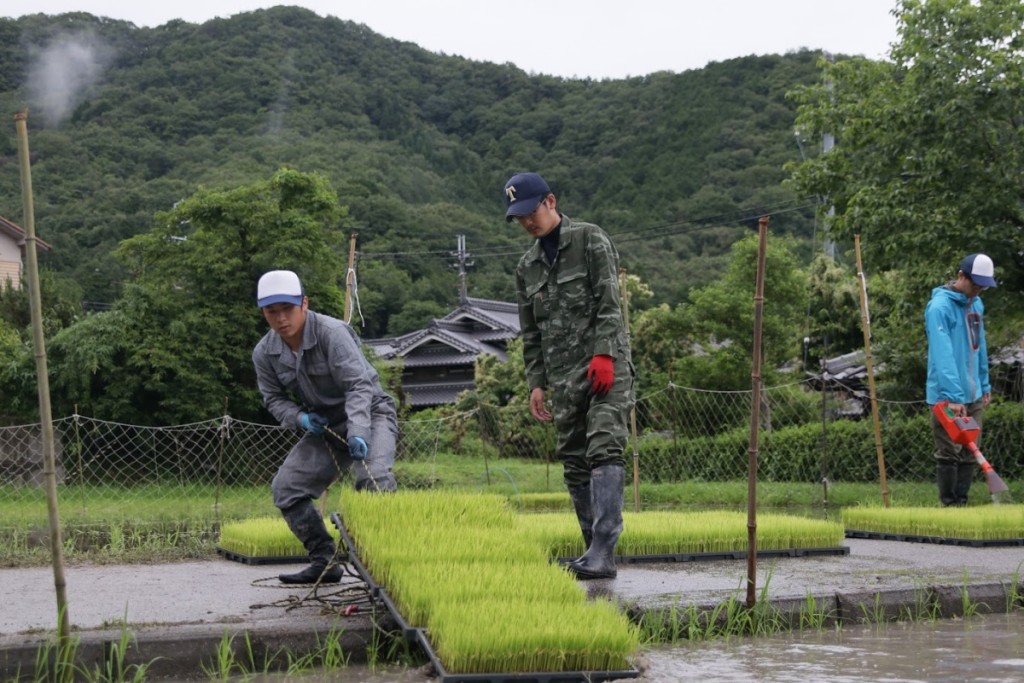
(962, 429)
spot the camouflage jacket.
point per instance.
(570, 311)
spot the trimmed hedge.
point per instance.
(844, 450)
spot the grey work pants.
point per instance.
(314, 463)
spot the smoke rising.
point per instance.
(63, 73)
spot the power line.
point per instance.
(743, 216)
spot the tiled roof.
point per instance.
(467, 330)
(423, 395)
(475, 327)
(18, 234)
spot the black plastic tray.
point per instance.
(261, 559)
(943, 540)
(732, 555)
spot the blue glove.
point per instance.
(357, 448)
(313, 423)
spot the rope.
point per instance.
(355, 298)
(366, 469)
(344, 600)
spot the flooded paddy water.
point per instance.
(988, 648)
(980, 648)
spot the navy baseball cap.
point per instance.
(523, 192)
(980, 269)
(279, 286)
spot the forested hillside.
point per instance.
(125, 122)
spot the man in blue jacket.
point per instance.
(958, 368)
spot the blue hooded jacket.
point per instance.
(957, 351)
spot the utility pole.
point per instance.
(464, 262)
(828, 141)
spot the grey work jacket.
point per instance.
(570, 310)
(328, 375)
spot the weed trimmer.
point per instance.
(964, 430)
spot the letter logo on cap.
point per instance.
(510, 192)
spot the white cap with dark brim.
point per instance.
(279, 287)
(980, 269)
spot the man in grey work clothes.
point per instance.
(314, 377)
(575, 345)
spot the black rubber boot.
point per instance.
(945, 477)
(580, 496)
(606, 486)
(308, 526)
(964, 479)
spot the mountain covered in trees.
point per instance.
(173, 165)
(126, 122)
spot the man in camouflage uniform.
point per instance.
(575, 344)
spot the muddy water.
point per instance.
(989, 649)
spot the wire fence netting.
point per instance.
(220, 469)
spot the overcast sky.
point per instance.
(571, 38)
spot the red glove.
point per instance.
(601, 374)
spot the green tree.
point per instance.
(929, 145)
(721, 316)
(178, 343)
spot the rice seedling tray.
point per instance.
(419, 636)
(260, 559)
(443, 676)
(733, 555)
(942, 540)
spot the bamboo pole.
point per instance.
(624, 293)
(865, 320)
(755, 414)
(43, 385)
(350, 283)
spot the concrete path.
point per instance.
(181, 612)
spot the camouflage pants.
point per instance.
(592, 430)
(947, 450)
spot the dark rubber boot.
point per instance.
(606, 486)
(580, 496)
(964, 479)
(945, 477)
(308, 526)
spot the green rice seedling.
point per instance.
(542, 502)
(664, 626)
(227, 666)
(665, 532)
(509, 636)
(978, 523)
(875, 614)
(924, 607)
(113, 668)
(328, 655)
(460, 565)
(444, 580)
(55, 661)
(263, 537)
(1013, 596)
(813, 615)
